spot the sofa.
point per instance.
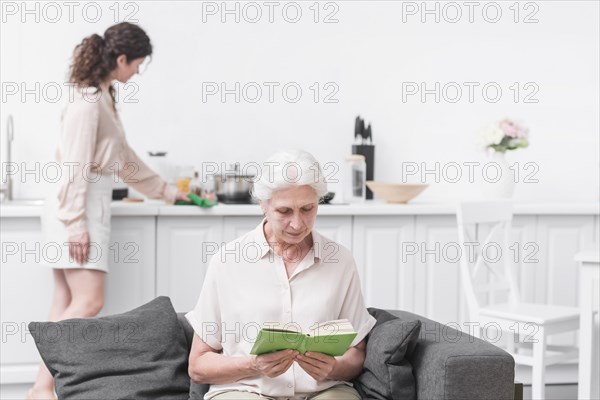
(446, 364)
(143, 353)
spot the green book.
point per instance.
(331, 337)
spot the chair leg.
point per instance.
(518, 391)
(539, 366)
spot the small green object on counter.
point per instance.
(196, 200)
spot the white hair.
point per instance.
(289, 168)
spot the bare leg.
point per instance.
(43, 387)
(87, 293)
(78, 293)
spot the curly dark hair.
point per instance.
(96, 57)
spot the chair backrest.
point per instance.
(486, 267)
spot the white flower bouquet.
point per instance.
(504, 135)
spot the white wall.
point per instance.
(368, 54)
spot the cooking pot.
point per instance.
(232, 187)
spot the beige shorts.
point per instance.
(55, 248)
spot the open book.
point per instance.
(330, 337)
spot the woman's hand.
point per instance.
(275, 363)
(317, 365)
(79, 247)
(181, 196)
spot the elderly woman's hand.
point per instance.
(275, 363)
(317, 365)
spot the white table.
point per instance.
(588, 340)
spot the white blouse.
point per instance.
(246, 286)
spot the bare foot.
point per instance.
(40, 394)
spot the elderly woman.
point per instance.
(282, 272)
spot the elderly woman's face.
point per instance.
(291, 212)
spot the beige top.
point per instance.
(246, 286)
(93, 142)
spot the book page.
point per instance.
(333, 327)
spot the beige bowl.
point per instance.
(396, 192)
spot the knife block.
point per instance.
(367, 150)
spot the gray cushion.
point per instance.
(387, 372)
(140, 354)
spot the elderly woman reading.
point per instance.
(283, 272)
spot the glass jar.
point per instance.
(196, 184)
(209, 188)
(355, 185)
(184, 177)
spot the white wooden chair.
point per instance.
(493, 297)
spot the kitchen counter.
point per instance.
(33, 208)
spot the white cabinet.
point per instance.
(132, 275)
(437, 288)
(184, 246)
(26, 289)
(336, 228)
(387, 278)
(234, 227)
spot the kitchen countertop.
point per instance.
(33, 208)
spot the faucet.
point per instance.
(6, 187)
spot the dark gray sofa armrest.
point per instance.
(449, 364)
